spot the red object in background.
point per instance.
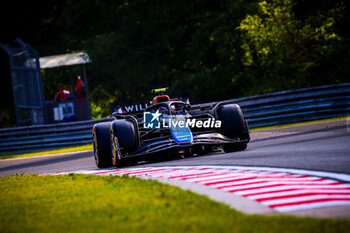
(79, 89)
(62, 94)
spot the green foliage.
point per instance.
(88, 203)
(284, 48)
(206, 50)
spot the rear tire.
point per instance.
(102, 145)
(235, 147)
(233, 126)
(202, 150)
(123, 141)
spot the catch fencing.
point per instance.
(263, 110)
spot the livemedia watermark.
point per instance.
(155, 120)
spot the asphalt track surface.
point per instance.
(320, 147)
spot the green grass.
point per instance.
(48, 152)
(87, 203)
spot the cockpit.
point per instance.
(172, 108)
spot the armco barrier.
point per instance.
(263, 110)
(42, 137)
(294, 106)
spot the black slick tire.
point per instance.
(123, 141)
(102, 145)
(233, 126)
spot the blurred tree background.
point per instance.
(203, 49)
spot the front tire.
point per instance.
(123, 142)
(233, 126)
(102, 145)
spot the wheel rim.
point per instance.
(115, 149)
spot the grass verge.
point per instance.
(87, 203)
(49, 152)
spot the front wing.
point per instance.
(163, 145)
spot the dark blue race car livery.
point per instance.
(168, 126)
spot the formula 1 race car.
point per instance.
(168, 126)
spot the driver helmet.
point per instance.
(173, 109)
